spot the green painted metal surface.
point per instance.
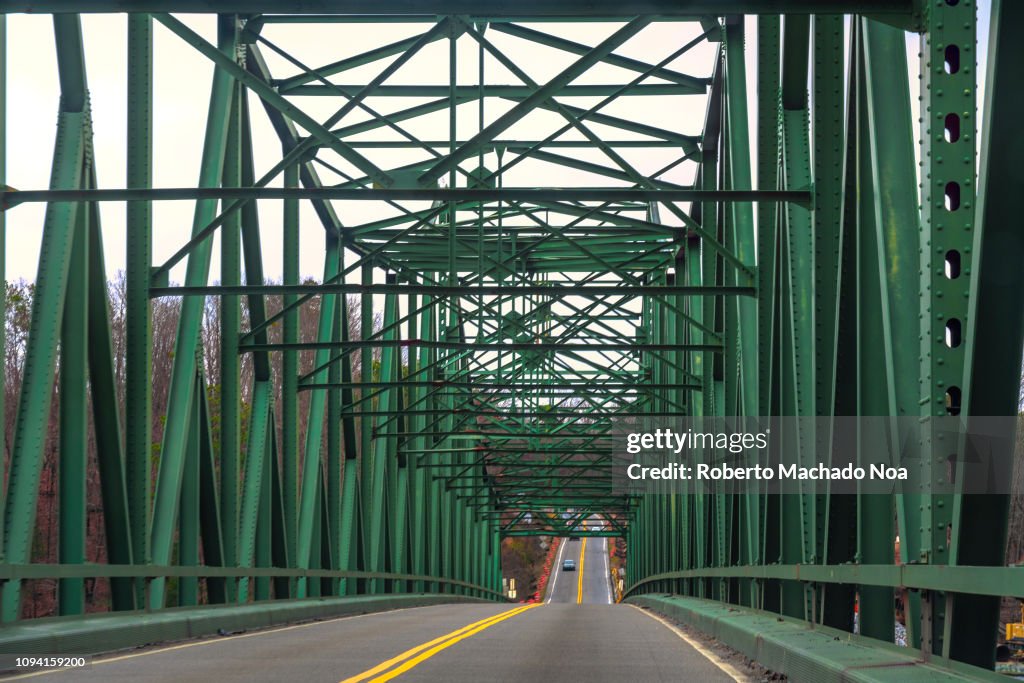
(804, 652)
(94, 633)
(479, 324)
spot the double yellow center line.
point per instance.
(398, 665)
(579, 579)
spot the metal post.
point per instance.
(51, 287)
(139, 257)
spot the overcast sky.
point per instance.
(182, 86)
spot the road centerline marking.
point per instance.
(394, 673)
(579, 579)
(433, 647)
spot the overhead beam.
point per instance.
(462, 291)
(11, 198)
(513, 8)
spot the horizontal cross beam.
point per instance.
(476, 346)
(523, 9)
(464, 291)
(12, 198)
(462, 91)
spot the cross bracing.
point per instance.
(544, 219)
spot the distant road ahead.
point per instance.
(590, 584)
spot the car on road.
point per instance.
(569, 566)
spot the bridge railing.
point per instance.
(149, 572)
(964, 580)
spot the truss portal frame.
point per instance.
(519, 316)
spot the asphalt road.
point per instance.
(591, 556)
(442, 644)
(560, 640)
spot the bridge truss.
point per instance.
(530, 256)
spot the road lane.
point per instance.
(319, 652)
(592, 557)
(560, 642)
(440, 644)
(556, 573)
(397, 666)
(596, 579)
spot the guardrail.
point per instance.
(970, 580)
(149, 572)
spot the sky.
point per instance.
(182, 86)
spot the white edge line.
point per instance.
(725, 666)
(209, 641)
(557, 569)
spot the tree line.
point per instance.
(165, 312)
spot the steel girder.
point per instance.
(864, 302)
(406, 10)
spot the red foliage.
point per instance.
(546, 571)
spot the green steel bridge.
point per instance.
(569, 214)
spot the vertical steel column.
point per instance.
(263, 549)
(875, 513)
(334, 446)
(885, 287)
(261, 400)
(230, 322)
(742, 213)
(745, 310)
(719, 504)
(218, 589)
(844, 510)
(252, 480)
(799, 506)
(673, 334)
(312, 465)
(948, 153)
(377, 509)
(348, 532)
(769, 64)
(283, 587)
(828, 128)
(44, 327)
(290, 365)
(398, 476)
(188, 519)
(995, 325)
(698, 366)
(888, 148)
(452, 528)
(181, 395)
(139, 257)
(418, 499)
(74, 426)
(314, 586)
(106, 409)
(429, 327)
(768, 103)
(447, 542)
(366, 492)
